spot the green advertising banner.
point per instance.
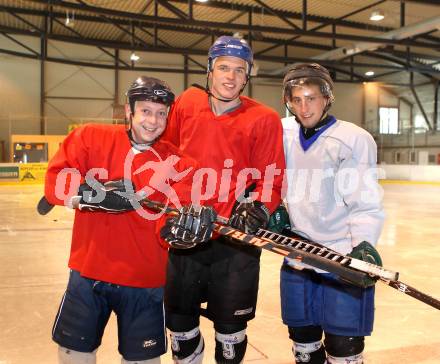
(9, 173)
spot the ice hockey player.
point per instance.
(231, 136)
(333, 199)
(117, 263)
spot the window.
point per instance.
(420, 124)
(389, 120)
(396, 157)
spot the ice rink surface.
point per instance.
(33, 274)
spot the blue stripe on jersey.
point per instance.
(307, 143)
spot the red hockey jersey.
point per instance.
(119, 248)
(236, 149)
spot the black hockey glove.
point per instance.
(193, 225)
(368, 253)
(112, 196)
(249, 216)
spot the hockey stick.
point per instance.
(44, 206)
(353, 270)
(322, 251)
(353, 276)
(377, 271)
(411, 291)
(349, 269)
(357, 274)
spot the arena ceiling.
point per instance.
(403, 49)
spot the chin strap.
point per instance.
(323, 115)
(139, 146)
(210, 94)
(308, 132)
(208, 91)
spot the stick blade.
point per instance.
(44, 206)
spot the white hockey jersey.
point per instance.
(332, 196)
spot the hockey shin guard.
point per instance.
(354, 359)
(312, 353)
(230, 348)
(344, 349)
(187, 347)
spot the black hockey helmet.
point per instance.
(308, 73)
(149, 89)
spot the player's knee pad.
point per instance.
(67, 356)
(344, 346)
(305, 334)
(187, 347)
(148, 361)
(230, 348)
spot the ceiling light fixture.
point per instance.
(369, 73)
(377, 15)
(202, 1)
(134, 57)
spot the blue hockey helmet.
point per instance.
(230, 47)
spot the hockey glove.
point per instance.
(112, 196)
(249, 216)
(279, 220)
(193, 225)
(368, 253)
